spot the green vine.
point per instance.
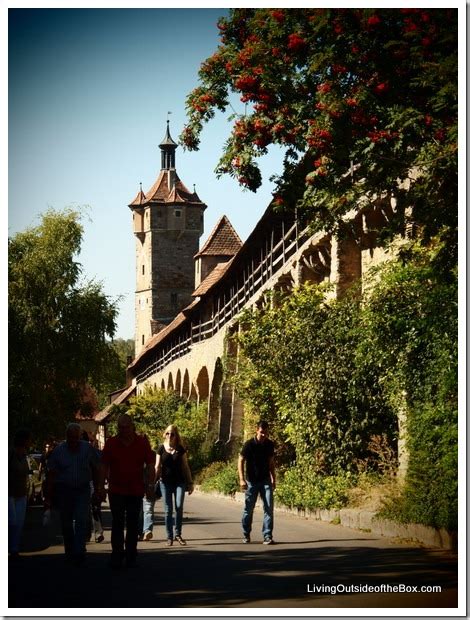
(335, 377)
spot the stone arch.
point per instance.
(202, 384)
(193, 393)
(215, 397)
(170, 382)
(315, 264)
(185, 388)
(178, 382)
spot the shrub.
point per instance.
(221, 477)
(301, 488)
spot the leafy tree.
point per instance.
(155, 409)
(119, 352)
(364, 101)
(124, 349)
(58, 325)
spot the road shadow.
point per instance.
(199, 577)
(218, 573)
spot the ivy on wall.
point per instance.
(333, 376)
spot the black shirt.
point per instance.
(172, 465)
(257, 455)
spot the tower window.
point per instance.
(143, 338)
(143, 270)
(174, 300)
(177, 212)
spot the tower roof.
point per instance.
(223, 240)
(168, 188)
(140, 199)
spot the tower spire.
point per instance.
(168, 147)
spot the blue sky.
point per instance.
(88, 96)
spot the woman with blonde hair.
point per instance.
(173, 471)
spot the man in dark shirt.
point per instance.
(260, 478)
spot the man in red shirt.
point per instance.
(123, 460)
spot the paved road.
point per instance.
(217, 570)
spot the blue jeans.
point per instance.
(265, 490)
(16, 516)
(172, 492)
(74, 508)
(148, 507)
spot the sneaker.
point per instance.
(99, 539)
(148, 535)
(181, 541)
(169, 542)
(268, 541)
(246, 539)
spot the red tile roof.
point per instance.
(159, 192)
(223, 240)
(213, 277)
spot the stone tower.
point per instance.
(168, 221)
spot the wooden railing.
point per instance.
(254, 278)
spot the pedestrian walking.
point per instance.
(72, 465)
(148, 510)
(257, 456)
(175, 479)
(18, 472)
(123, 460)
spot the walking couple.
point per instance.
(123, 460)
